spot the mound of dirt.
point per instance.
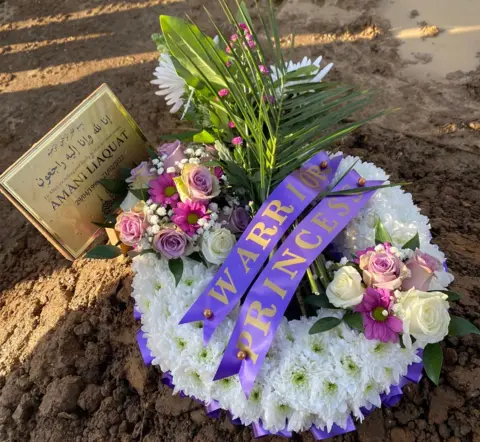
(69, 364)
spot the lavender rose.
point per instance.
(141, 176)
(197, 183)
(422, 268)
(171, 243)
(174, 152)
(239, 220)
(130, 226)
(381, 268)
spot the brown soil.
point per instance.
(70, 367)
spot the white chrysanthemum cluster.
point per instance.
(397, 212)
(308, 379)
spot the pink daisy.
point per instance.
(163, 190)
(186, 216)
(378, 319)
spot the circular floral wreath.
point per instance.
(321, 379)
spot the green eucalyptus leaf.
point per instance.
(182, 136)
(176, 267)
(116, 187)
(105, 225)
(460, 327)
(354, 320)
(318, 301)
(141, 194)
(196, 257)
(413, 243)
(324, 324)
(452, 296)
(204, 138)
(103, 252)
(432, 361)
(381, 233)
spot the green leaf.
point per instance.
(432, 361)
(354, 320)
(196, 257)
(204, 137)
(413, 243)
(106, 225)
(381, 233)
(324, 324)
(146, 251)
(452, 296)
(182, 136)
(176, 267)
(194, 50)
(152, 153)
(460, 327)
(104, 252)
(116, 187)
(141, 194)
(319, 301)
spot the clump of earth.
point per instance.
(69, 364)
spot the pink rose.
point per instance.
(422, 268)
(131, 226)
(141, 176)
(174, 152)
(381, 268)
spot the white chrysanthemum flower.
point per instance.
(290, 66)
(171, 85)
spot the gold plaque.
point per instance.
(56, 183)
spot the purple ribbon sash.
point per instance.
(271, 293)
(246, 259)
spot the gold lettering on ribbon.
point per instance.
(246, 256)
(313, 176)
(317, 172)
(273, 209)
(295, 191)
(295, 259)
(224, 286)
(322, 222)
(256, 320)
(308, 179)
(257, 233)
(334, 205)
(247, 348)
(304, 244)
(278, 290)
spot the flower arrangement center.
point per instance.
(192, 218)
(379, 314)
(170, 191)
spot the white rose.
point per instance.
(346, 289)
(217, 245)
(424, 315)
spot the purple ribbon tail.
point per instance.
(259, 431)
(392, 398)
(167, 379)
(142, 345)
(213, 409)
(415, 371)
(335, 431)
(136, 314)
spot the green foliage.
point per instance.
(413, 243)
(318, 301)
(104, 252)
(354, 320)
(141, 194)
(283, 123)
(176, 267)
(460, 327)
(432, 361)
(105, 225)
(452, 296)
(115, 187)
(204, 137)
(381, 233)
(324, 324)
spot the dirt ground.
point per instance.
(70, 369)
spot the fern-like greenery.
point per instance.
(283, 123)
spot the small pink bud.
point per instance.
(223, 92)
(237, 141)
(231, 125)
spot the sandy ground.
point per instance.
(70, 369)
